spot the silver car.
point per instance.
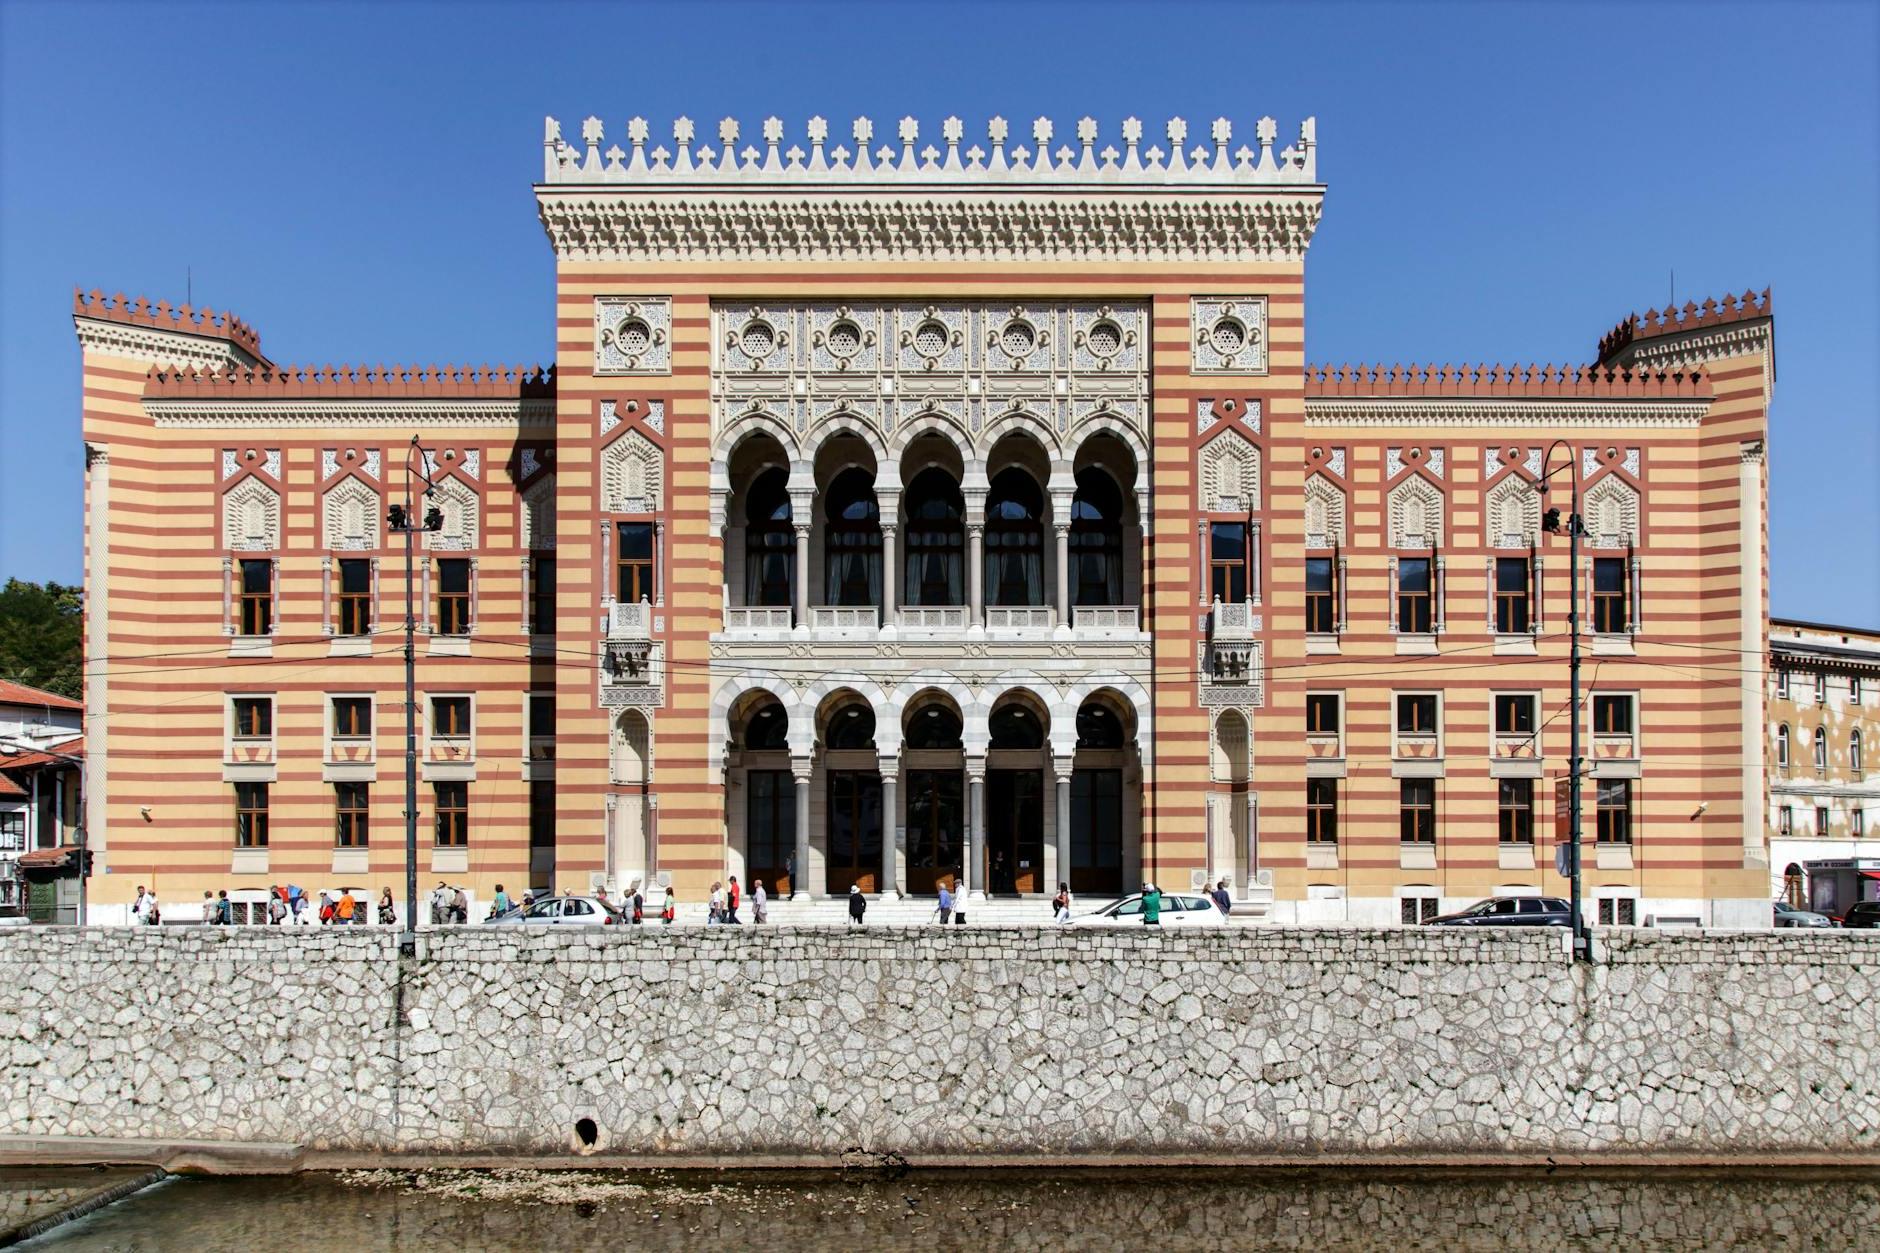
(563, 911)
(1789, 916)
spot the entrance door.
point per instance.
(935, 829)
(1096, 831)
(770, 829)
(854, 830)
(1014, 831)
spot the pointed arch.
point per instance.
(251, 517)
(1416, 514)
(462, 516)
(1232, 743)
(350, 516)
(1611, 511)
(633, 475)
(1511, 515)
(632, 748)
(1325, 513)
(1022, 421)
(538, 514)
(1230, 473)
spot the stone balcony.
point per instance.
(940, 621)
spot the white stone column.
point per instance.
(890, 777)
(1253, 837)
(659, 563)
(975, 572)
(889, 571)
(1063, 823)
(1063, 574)
(976, 829)
(799, 874)
(802, 576)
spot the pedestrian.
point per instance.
(715, 905)
(607, 906)
(153, 913)
(500, 903)
(670, 908)
(224, 909)
(959, 898)
(440, 904)
(858, 905)
(760, 903)
(1061, 905)
(459, 907)
(945, 908)
(343, 908)
(388, 914)
(999, 879)
(208, 907)
(1222, 901)
(277, 908)
(731, 903)
(140, 907)
(326, 909)
(1151, 906)
(638, 902)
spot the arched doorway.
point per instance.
(1794, 886)
(761, 731)
(1015, 796)
(933, 756)
(1102, 794)
(852, 796)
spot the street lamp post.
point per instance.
(1575, 527)
(405, 521)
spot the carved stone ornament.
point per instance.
(538, 514)
(1230, 474)
(1325, 513)
(1416, 514)
(632, 336)
(1511, 516)
(350, 517)
(1611, 511)
(1229, 334)
(251, 517)
(633, 475)
(462, 517)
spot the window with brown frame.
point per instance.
(542, 596)
(1416, 715)
(1612, 714)
(1515, 806)
(453, 596)
(1514, 715)
(1227, 562)
(355, 597)
(1415, 601)
(352, 717)
(450, 717)
(254, 604)
(1416, 817)
(1611, 598)
(254, 717)
(1415, 910)
(1513, 601)
(1615, 811)
(251, 815)
(1322, 713)
(350, 806)
(1618, 911)
(1321, 811)
(633, 575)
(452, 804)
(1321, 596)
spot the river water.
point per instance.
(1151, 1210)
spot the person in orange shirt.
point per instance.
(345, 908)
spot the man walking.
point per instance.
(731, 903)
(224, 909)
(208, 907)
(1151, 906)
(858, 905)
(500, 903)
(945, 907)
(760, 904)
(1222, 901)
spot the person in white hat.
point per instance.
(858, 905)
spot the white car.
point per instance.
(562, 911)
(1178, 910)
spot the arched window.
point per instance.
(1015, 540)
(1782, 745)
(1098, 727)
(768, 728)
(769, 541)
(933, 726)
(936, 541)
(1853, 750)
(852, 540)
(1096, 540)
(852, 726)
(1015, 726)
(1821, 750)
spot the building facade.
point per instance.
(42, 752)
(947, 511)
(1824, 790)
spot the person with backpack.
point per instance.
(499, 904)
(277, 908)
(327, 910)
(1061, 905)
(224, 909)
(387, 913)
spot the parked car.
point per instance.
(563, 911)
(1178, 910)
(1863, 916)
(1510, 911)
(1786, 915)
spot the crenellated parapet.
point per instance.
(1536, 381)
(355, 382)
(1669, 320)
(159, 331)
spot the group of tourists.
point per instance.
(721, 907)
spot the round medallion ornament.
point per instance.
(843, 340)
(1104, 339)
(1017, 339)
(930, 339)
(1228, 336)
(757, 340)
(634, 337)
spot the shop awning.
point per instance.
(1870, 874)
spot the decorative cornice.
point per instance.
(1697, 348)
(1486, 411)
(141, 343)
(1669, 320)
(337, 412)
(792, 225)
(161, 316)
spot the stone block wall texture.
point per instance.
(808, 1042)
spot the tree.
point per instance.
(41, 640)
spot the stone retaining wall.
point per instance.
(804, 1043)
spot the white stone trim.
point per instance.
(144, 343)
(318, 412)
(1372, 411)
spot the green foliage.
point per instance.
(40, 636)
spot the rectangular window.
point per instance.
(1416, 817)
(1227, 561)
(1785, 820)
(1516, 804)
(349, 809)
(1514, 715)
(453, 814)
(1321, 598)
(453, 596)
(1414, 602)
(541, 715)
(1322, 713)
(1611, 602)
(1782, 684)
(1416, 715)
(1858, 824)
(633, 581)
(251, 815)
(1413, 910)
(1321, 811)
(542, 596)
(1618, 911)
(1512, 615)
(1615, 811)
(1612, 714)
(1821, 687)
(254, 608)
(13, 830)
(542, 814)
(355, 597)
(352, 717)
(450, 717)
(1853, 689)
(1821, 821)
(254, 717)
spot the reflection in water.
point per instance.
(1095, 1209)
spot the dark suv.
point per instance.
(1864, 916)
(1510, 911)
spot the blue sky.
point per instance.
(1506, 181)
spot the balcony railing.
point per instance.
(1231, 621)
(631, 620)
(1020, 617)
(757, 617)
(844, 617)
(933, 617)
(1118, 619)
